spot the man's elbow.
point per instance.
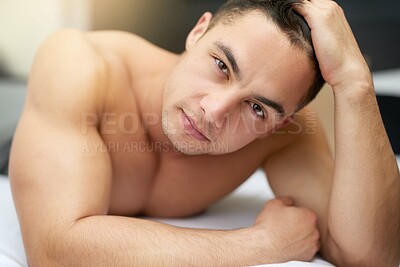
(39, 261)
(382, 257)
(367, 261)
(40, 256)
(52, 248)
(359, 257)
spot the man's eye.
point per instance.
(258, 109)
(221, 65)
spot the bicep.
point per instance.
(55, 180)
(56, 173)
(303, 170)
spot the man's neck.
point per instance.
(150, 103)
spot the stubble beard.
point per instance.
(189, 148)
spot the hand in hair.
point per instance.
(338, 54)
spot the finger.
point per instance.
(315, 11)
(322, 3)
(305, 8)
(319, 12)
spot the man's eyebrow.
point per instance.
(268, 102)
(231, 58)
(229, 55)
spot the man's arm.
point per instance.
(359, 209)
(303, 169)
(61, 183)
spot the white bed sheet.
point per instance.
(239, 209)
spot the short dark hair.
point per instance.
(281, 13)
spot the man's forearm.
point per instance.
(364, 206)
(123, 241)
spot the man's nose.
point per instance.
(217, 107)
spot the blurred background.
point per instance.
(24, 24)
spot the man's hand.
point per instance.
(291, 231)
(340, 59)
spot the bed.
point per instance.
(238, 209)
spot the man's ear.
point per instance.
(198, 30)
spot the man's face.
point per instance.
(233, 85)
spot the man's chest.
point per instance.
(176, 188)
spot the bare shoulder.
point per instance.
(68, 74)
(114, 39)
(133, 51)
(77, 72)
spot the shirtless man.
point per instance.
(197, 125)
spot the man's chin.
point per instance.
(190, 148)
(196, 148)
(187, 151)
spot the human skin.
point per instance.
(77, 204)
(222, 104)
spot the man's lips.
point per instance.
(191, 128)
